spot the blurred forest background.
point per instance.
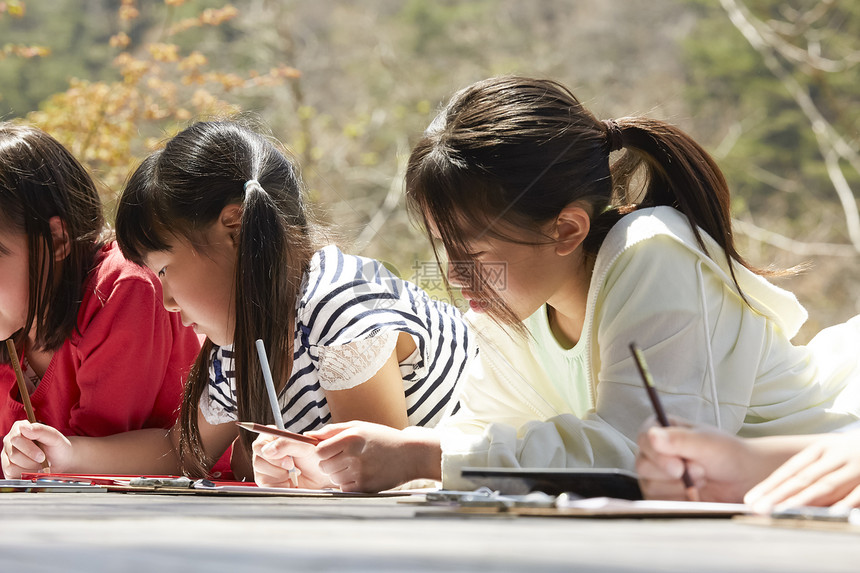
(770, 87)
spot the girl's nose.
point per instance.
(459, 274)
(167, 300)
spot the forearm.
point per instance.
(767, 453)
(423, 454)
(149, 451)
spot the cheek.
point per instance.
(14, 304)
(14, 291)
(223, 294)
(522, 282)
(216, 302)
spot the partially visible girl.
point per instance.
(766, 472)
(219, 215)
(99, 352)
(567, 257)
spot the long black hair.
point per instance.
(180, 191)
(511, 152)
(40, 179)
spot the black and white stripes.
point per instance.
(347, 299)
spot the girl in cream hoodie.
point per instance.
(567, 252)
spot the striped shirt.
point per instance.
(348, 317)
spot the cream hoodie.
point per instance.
(715, 360)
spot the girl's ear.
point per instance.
(62, 246)
(231, 221)
(571, 227)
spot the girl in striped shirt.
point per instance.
(219, 216)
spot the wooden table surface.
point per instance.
(93, 533)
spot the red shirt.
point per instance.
(122, 369)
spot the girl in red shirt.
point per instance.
(100, 353)
(219, 216)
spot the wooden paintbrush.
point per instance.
(22, 388)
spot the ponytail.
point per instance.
(678, 173)
(267, 289)
(182, 190)
(512, 152)
(273, 254)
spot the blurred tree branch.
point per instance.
(831, 144)
(800, 25)
(801, 248)
(392, 198)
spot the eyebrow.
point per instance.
(147, 257)
(4, 250)
(464, 234)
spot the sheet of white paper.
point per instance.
(612, 506)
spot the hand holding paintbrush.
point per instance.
(22, 389)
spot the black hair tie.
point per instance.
(614, 135)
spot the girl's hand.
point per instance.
(361, 456)
(27, 445)
(274, 457)
(722, 466)
(827, 472)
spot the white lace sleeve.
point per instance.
(348, 365)
(217, 401)
(213, 411)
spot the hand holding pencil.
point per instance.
(691, 491)
(262, 466)
(682, 461)
(723, 466)
(274, 457)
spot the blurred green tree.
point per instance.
(774, 83)
(153, 84)
(122, 74)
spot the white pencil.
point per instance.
(270, 384)
(273, 400)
